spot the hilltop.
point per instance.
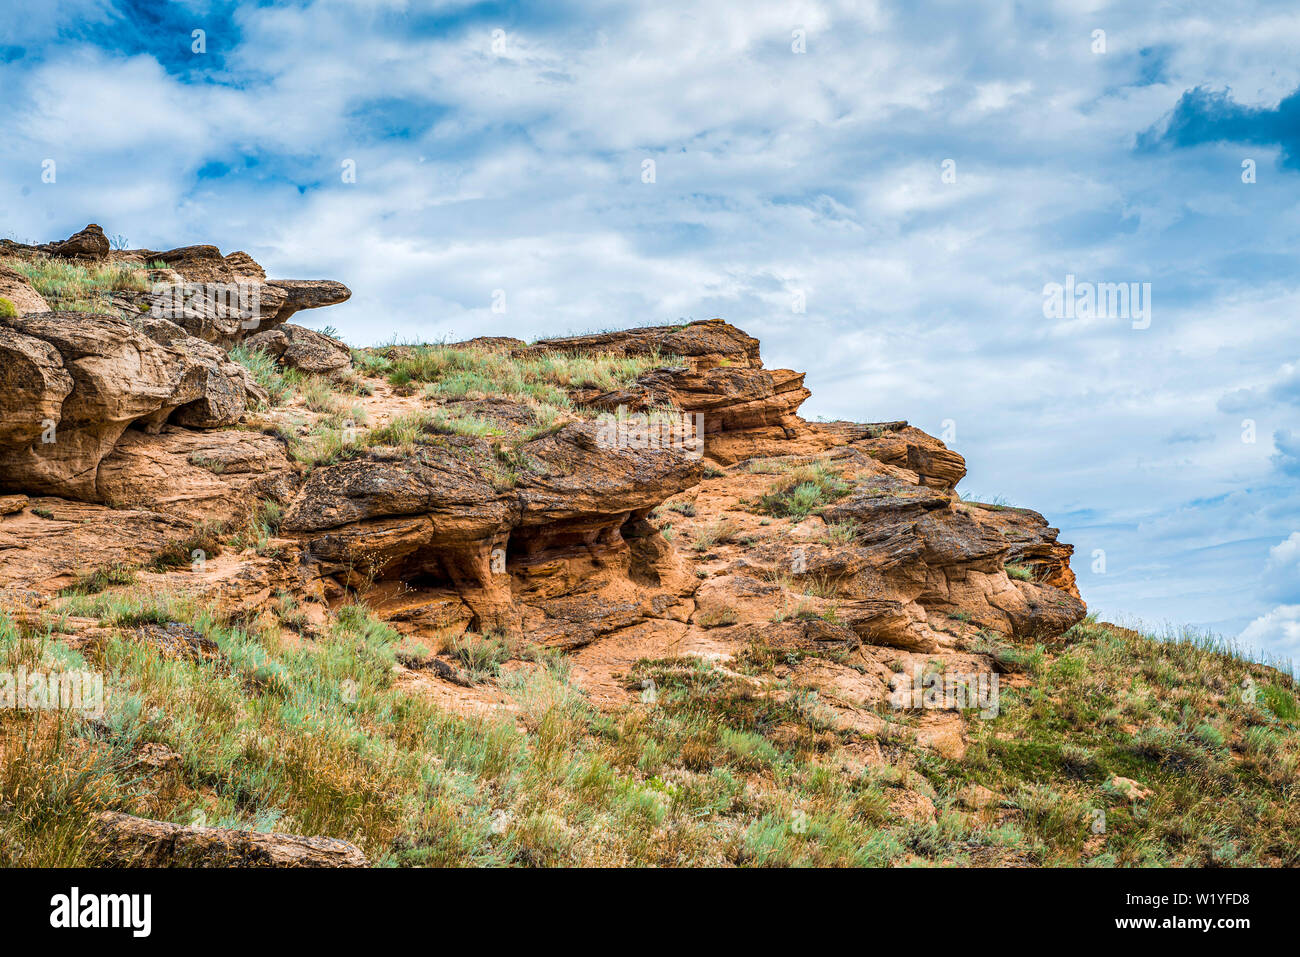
(604, 599)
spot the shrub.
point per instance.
(802, 491)
(265, 371)
(841, 533)
(106, 576)
(1020, 572)
(721, 532)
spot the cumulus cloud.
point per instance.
(1281, 579)
(1287, 456)
(1277, 632)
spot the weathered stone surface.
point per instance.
(82, 379)
(741, 409)
(127, 841)
(1032, 543)
(305, 294)
(435, 517)
(203, 475)
(306, 350)
(33, 385)
(912, 449)
(89, 243)
(244, 266)
(15, 287)
(222, 314)
(48, 551)
(703, 345)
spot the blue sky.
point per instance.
(502, 147)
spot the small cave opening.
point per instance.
(532, 546)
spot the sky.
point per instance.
(883, 193)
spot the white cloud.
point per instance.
(1277, 633)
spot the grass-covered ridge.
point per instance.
(457, 372)
(473, 392)
(81, 287)
(319, 737)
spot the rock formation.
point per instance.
(126, 841)
(75, 381)
(139, 412)
(683, 508)
(306, 350)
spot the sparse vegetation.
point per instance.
(77, 287)
(279, 384)
(468, 373)
(1020, 572)
(721, 532)
(316, 738)
(841, 533)
(98, 579)
(803, 491)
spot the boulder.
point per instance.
(126, 841)
(295, 347)
(702, 345)
(89, 243)
(15, 287)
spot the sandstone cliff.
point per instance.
(626, 506)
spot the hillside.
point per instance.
(604, 599)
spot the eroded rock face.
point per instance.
(566, 553)
(33, 385)
(305, 294)
(742, 409)
(204, 475)
(221, 299)
(610, 552)
(74, 383)
(437, 518)
(704, 345)
(227, 299)
(77, 381)
(89, 243)
(15, 287)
